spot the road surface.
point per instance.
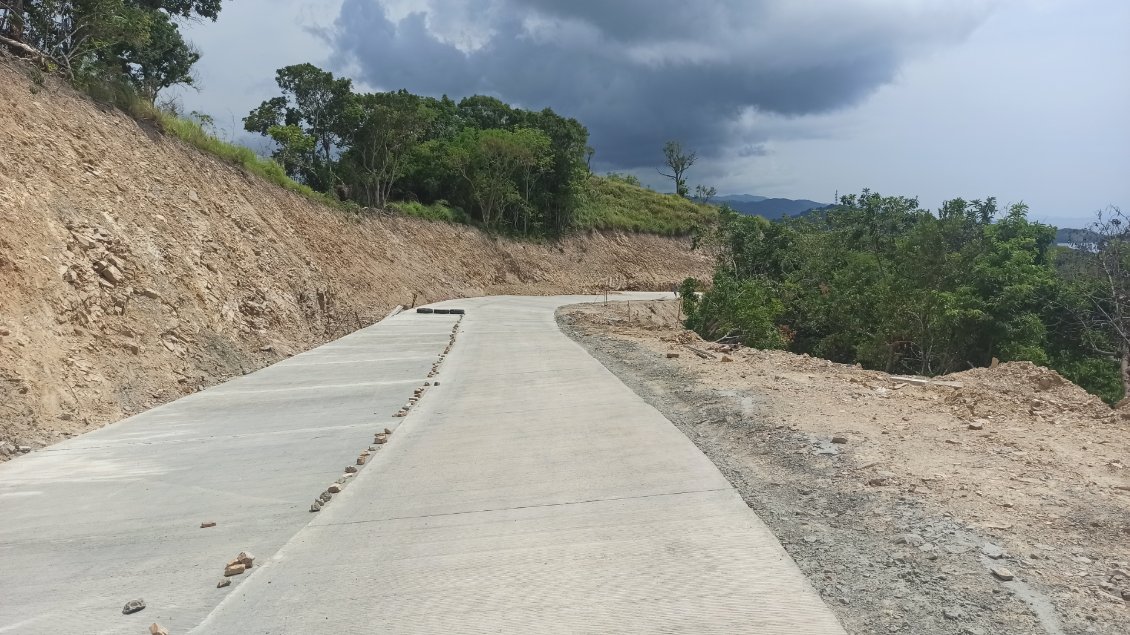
(530, 491)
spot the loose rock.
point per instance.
(133, 606)
(334, 489)
(223, 583)
(839, 439)
(913, 540)
(207, 524)
(1002, 573)
(234, 569)
(157, 629)
(992, 551)
(245, 558)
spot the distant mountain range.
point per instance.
(770, 208)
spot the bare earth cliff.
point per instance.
(135, 269)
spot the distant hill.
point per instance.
(1068, 236)
(770, 208)
(740, 198)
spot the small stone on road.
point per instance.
(133, 606)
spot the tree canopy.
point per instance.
(137, 43)
(508, 168)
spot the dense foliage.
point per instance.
(878, 281)
(135, 43)
(512, 169)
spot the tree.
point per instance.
(678, 161)
(385, 128)
(137, 42)
(500, 168)
(1100, 281)
(703, 194)
(317, 102)
(487, 113)
(164, 59)
(191, 9)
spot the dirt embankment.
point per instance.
(900, 498)
(135, 269)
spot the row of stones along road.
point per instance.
(381, 438)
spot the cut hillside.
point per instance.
(137, 269)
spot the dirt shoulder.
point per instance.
(900, 500)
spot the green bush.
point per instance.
(438, 211)
(747, 310)
(1096, 375)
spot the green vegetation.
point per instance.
(613, 203)
(438, 211)
(133, 42)
(878, 281)
(478, 160)
(505, 168)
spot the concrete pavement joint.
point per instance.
(537, 506)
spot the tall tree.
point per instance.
(1101, 278)
(678, 161)
(384, 129)
(317, 102)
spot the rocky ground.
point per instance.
(987, 502)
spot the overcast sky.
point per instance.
(1025, 100)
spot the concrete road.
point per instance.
(531, 491)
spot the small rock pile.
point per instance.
(1022, 387)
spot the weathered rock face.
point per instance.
(136, 270)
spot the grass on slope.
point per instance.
(614, 204)
(191, 133)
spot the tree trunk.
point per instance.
(1126, 369)
(23, 48)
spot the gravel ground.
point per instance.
(884, 558)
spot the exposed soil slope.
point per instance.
(134, 269)
(898, 499)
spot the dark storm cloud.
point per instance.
(639, 72)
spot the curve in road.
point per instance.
(531, 491)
